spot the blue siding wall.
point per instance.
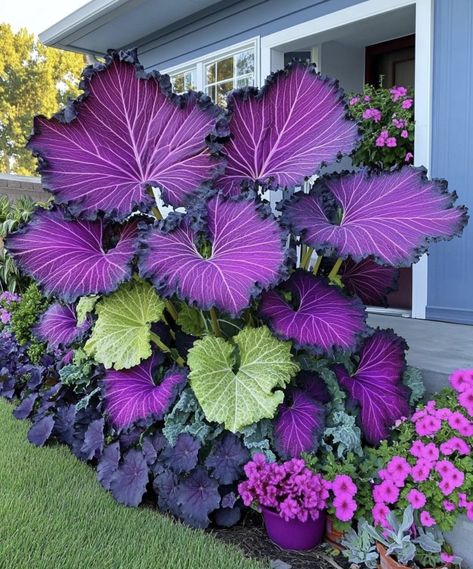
(227, 23)
(450, 294)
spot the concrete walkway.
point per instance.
(437, 348)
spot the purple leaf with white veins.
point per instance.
(368, 280)
(68, 258)
(247, 254)
(391, 216)
(313, 386)
(298, 425)
(285, 132)
(377, 384)
(127, 133)
(58, 325)
(322, 318)
(132, 394)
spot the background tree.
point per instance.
(34, 79)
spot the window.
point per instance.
(182, 81)
(230, 72)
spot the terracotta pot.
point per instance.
(332, 535)
(385, 560)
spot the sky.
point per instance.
(36, 15)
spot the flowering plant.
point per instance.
(291, 489)
(386, 119)
(6, 300)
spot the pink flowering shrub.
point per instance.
(386, 119)
(290, 489)
(430, 466)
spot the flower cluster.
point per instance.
(434, 476)
(386, 118)
(291, 489)
(6, 300)
(344, 491)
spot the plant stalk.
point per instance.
(171, 309)
(215, 325)
(334, 272)
(156, 212)
(317, 264)
(305, 260)
(162, 346)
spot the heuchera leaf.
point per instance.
(377, 384)
(390, 216)
(238, 383)
(322, 318)
(285, 132)
(368, 280)
(108, 464)
(64, 423)
(93, 440)
(69, 258)
(183, 456)
(40, 431)
(165, 485)
(58, 325)
(198, 495)
(298, 425)
(24, 409)
(226, 459)
(246, 250)
(129, 482)
(132, 394)
(126, 134)
(121, 335)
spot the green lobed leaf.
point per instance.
(236, 383)
(85, 305)
(190, 320)
(121, 335)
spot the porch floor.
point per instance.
(437, 348)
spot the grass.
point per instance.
(55, 515)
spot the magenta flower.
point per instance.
(428, 426)
(4, 316)
(455, 444)
(407, 104)
(408, 157)
(404, 134)
(399, 469)
(397, 92)
(458, 422)
(367, 98)
(446, 487)
(465, 398)
(343, 485)
(461, 379)
(391, 142)
(416, 499)
(421, 470)
(430, 452)
(374, 114)
(449, 506)
(380, 513)
(417, 449)
(399, 123)
(345, 508)
(386, 492)
(462, 500)
(426, 519)
(354, 101)
(469, 510)
(380, 141)
(446, 557)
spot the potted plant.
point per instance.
(292, 500)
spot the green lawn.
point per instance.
(55, 515)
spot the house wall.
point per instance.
(450, 291)
(19, 186)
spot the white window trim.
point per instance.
(199, 63)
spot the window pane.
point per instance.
(184, 80)
(211, 92)
(191, 79)
(245, 81)
(225, 69)
(245, 62)
(222, 90)
(178, 83)
(211, 73)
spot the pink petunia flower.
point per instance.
(374, 114)
(465, 399)
(404, 134)
(345, 508)
(343, 484)
(416, 499)
(391, 142)
(426, 519)
(408, 157)
(455, 444)
(446, 557)
(380, 514)
(387, 492)
(430, 452)
(417, 449)
(462, 500)
(421, 470)
(367, 98)
(428, 426)
(397, 92)
(398, 469)
(449, 506)
(469, 510)
(461, 379)
(407, 104)
(354, 101)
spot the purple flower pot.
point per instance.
(294, 534)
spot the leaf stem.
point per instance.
(157, 214)
(215, 325)
(162, 346)
(171, 309)
(317, 264)
(305, 259)
(333, 273)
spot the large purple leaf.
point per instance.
(285, 132)
(377, 384)
(132, 394)
(390, 216)
(127, 133)
(108, 464)
(247, 254)
(41, 430)
(197, 496)
(70, 258)
(298, 425)
(58, 325)
(226, 459)
(319, 317)
(368, 280)
(128, 483)
(184, 455)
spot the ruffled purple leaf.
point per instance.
(108, 464)
(377, 384)
(132, 394)
(183, 456)
(286, 131)
(198, 496)
(128, 483)
(319, 317)
(127, 133)
(226, 459)
(93, 440)
(313, 386)
(64, 423)
(227, 517)
(70, 258)
(58, 326)
(165, 485)
(24, 409)
(152, 446)
(368, 280)
(247, 254)
(298, 425)
(389, 216)
(40, 431)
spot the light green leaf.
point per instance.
(121, 335)
(85, 305)
(190, 320)
(236, 381)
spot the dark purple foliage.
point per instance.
(368, 280)
(246, 250)
(128, 483)
(64, 423)
(93, 440)
(24, 409)
(298, 425)
(108, 464)
(390, 216)
(227, 517)
(226, 459)
(183, 456)
(132, 394)
(69, 258)
(58, 325)
(314, 386)
(285, 132)
(377, 384)
(166, 484)
(198, 496)
(320, 317)
(40, 431)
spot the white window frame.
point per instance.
(184, 69)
